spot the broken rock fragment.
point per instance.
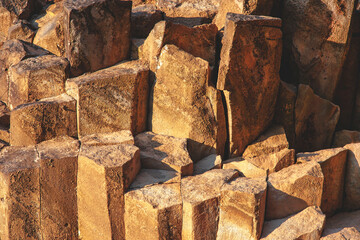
(249, 76)
(43, 120)
(104, 174)
(242, 209)
(143, 19)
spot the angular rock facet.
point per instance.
(245, 167)
(212, 161)
(343, 137)
(143, 19)
(352, 178)
(99, 139)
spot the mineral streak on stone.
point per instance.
(104, 174)
(246, 168)
(43, 120)
(58, 181)
(185, 106)
(344, 137)
(160, 208)
(202, 39)
(333, 165)
(352, 178)
(293, 189)
(315, 120)
(248, 75)
(97, 33)
(111, 99)
(307, 224)
(201, 196)
(315, 42)
(99, 139)
(20, 193)
(164, 152)
(35, 78)
(242, 209)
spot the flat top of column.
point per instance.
(254, 19)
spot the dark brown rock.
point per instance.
(23, 9)
(22, 31)
(249, 76)
(343, 137)
(143, 19)
(97, 33)
(315, 120)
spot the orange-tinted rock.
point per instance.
(160, 209)
(151, 177)
(164, 152)
(315, 120)
(43, 120)
(307, 224)
(104, 174)
(246, 168)
(285, 110)
(136, 43)
(97, 33)
(4, 135)
(22, 31)
(242, 209)
(346, 223)
(348, 233)
(23, 9)
(35, 78)
(111, 99)
(7, 18)
(315, 43)
(100, 139)
(212, 161)
(333, 165)
(202, 39)
(20, 194)
(143, 19)
(253, 7)
(249, 75)
(185, 106)
(352, 178)
(293, 189)
(201, 198)
(343, 137)
(58, 181)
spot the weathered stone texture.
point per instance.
(212, 161)
(342, 225)
(97, 33)
(143, 19)
(21, 30)
(99, 139)
(249, 75)
(343, 137)
(245, 167)
(352, 178)
(111, 99)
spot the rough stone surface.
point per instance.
(349, 233)
(58, 181)
(22, 31)
(150, 177)
(203, 39)
(159, 206)
(7, 18)
(343, 137)
(212, 161)
(4, 135)
(315, 37)
(111, 99)
(35, 78)
(20, 191)
(98, 139)
(97, 33)
(347, 223)
(246, 168)
(315, 120)
(352, 178)
(284, 110)
(242, 209)
(308, 224)
(201, 197)
(23, 9)
(136, 43)
(249, 75)
(293, 189)
(43, 120)
(164, 152)
(333, 165)
(143, 20)
(185, 106)
(104, 174)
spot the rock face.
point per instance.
(183, 81)
(352, 179)
(308, 224)
(245, 167)
(36, 78)
(333, 165)
(344, 233)
(315, 60)
(58, 181)
(249, 76)
(104, 174)
(164, 152)
(143, 19)
(20, 191)
(111, 99)
(23, 9)
(43, 120)
(212, 161)
(343, 137)
(103, 27)
(348, 221)
(293, 189)
(203, 39)
(315, 120)
(22, 31)
(201, 197)
(242, 209)
(100, 139)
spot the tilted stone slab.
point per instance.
(43, 120)
(111, 99)
(248, 75)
